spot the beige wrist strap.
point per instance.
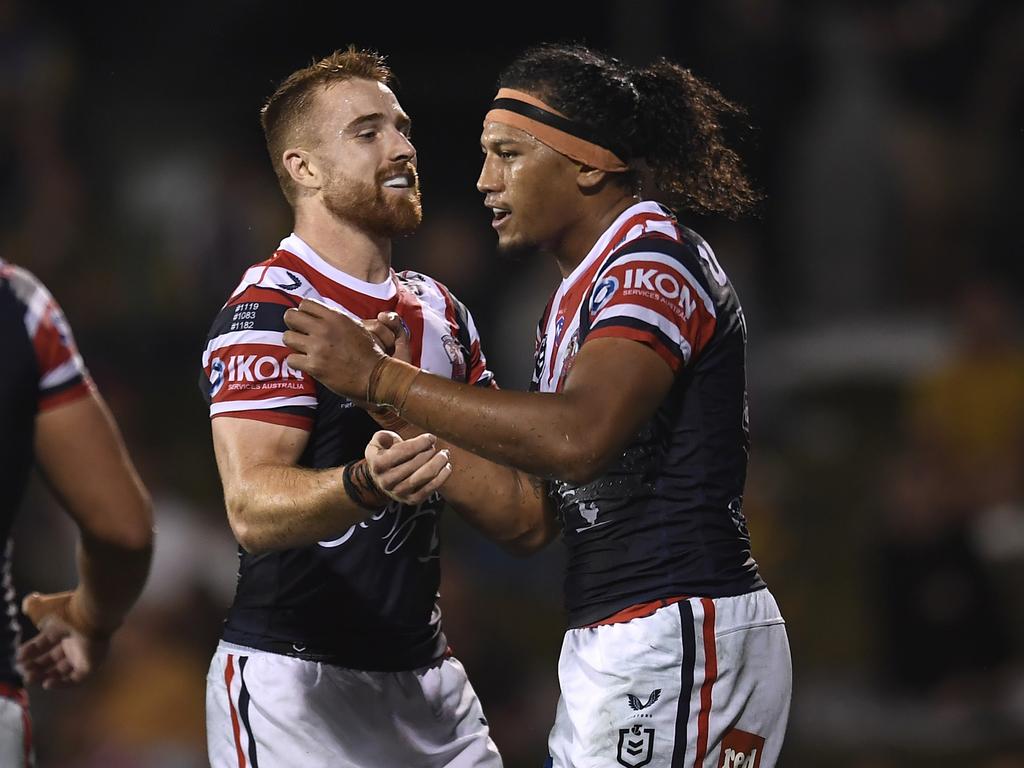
(390, 383)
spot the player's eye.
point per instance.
(369, 133)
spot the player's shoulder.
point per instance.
(418, 282)
(22, 284)
(428, 289)
(664, 244)
(283, 279)
(265, 292)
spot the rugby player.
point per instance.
(52, 415)
(333, 652)
(676, 652)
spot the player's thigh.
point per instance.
(270, 710)
(680, 687)
(621, 687)
(738, 704)
(458, 735)
(267, 710)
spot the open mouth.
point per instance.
(402, 181)
(500, 215)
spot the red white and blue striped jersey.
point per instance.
(42, 369)
(665, 519)
(367, 599)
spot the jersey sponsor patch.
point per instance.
(741, 750)
(651, 297)
(246, 368)
(603, 291)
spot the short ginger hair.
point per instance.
(285, 115)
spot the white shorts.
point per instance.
(702, 683)
(15, 728)
(266, 710)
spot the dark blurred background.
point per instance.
(881, 281)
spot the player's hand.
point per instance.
(408, 471)
(392, 334)
(331, 347)
(67, 649)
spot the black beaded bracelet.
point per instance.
(360, 488)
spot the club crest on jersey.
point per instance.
(453, 349)
(636, 746)
(570, 358)
(602, 292)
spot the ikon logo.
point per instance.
(665, 284)
(253, 368)
(741, 750)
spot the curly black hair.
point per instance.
(666, 119)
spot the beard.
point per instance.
(517, 252)
(370, 207)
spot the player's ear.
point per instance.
(302, 167)
(589, 178)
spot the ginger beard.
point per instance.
(384, 211)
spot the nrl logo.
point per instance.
(636, 746)
(636, 704)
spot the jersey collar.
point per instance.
(299, 247)
(611, 234)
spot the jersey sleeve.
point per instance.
(245, 372)
(63, 377)
(648, 293)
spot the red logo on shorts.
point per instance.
(741, 750)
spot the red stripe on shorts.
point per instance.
(229, 674)
(710, 673)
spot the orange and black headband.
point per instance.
(549, 126)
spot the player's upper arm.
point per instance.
(243, 446)
(650, 314)
(615, 386)
(80, 452)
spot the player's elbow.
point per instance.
(138, 531)
(527, 542)
(582, 462)
(581, 451)
(127, 527)
(246, 534)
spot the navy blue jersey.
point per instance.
(42, 369)
(665, 519)
(368, 598)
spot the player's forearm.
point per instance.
(547, 435)
(506, 505)
(111, 578)
(274, 507)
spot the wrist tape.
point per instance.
(360, 488)
(390, 382)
